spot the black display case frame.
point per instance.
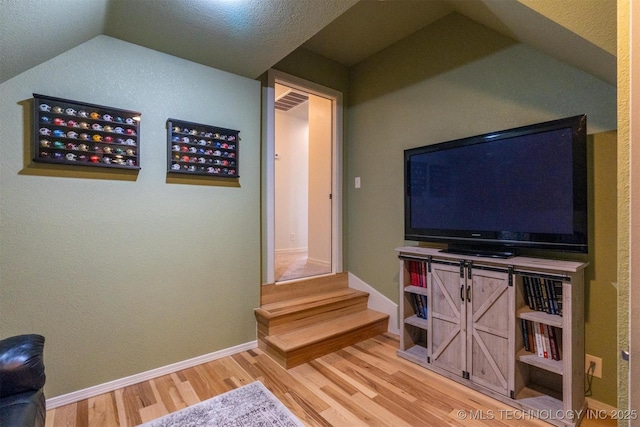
(82, 134)
(205, 150)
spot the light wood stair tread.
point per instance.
(308, 302)
(321, 331)
(274, 292)
(300, 321)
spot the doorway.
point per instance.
(301, 197)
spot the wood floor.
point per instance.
(293, 265)
(362, 385)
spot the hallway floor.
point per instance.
(295, 265)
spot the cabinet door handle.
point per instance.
(469, 293)
(462, 293)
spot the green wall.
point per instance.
(316, 68)
(601, 274)
(122, 272)
(453, 79)
(128, 272)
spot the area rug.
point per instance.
(251, 405)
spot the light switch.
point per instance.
(357, 183)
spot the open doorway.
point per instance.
(302, 182)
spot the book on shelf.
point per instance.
(557, 288)
(544, 331)
(418, 273)
(540, 350)
(553, 341)
(526, 291)
(525, 334)
(541, 339)
(543, 294)
(553, 308)
(419, 303)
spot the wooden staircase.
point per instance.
(300, 321)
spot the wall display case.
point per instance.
(76, 133)
(198, 149)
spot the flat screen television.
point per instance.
(493, 194)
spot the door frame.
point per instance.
(268, 188)
(633, 315)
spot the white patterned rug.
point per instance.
(251, 405)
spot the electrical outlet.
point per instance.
(292, 236)
(597, 372)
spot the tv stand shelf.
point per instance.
(512, 328)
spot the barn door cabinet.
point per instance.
(474, 320)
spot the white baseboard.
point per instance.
(99, 389)
(378, 302)
(290, 250)
(319, 263)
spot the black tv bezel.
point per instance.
(506, 243)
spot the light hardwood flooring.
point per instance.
(294, 265)
(362, 385)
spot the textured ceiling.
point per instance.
(370, 26)
(32, 31)
(581, 33)
(247, 37)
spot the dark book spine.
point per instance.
(424, 306)
(532, 340)
(525, 291)
(553, 343)
(535, 290)
(558, 291)
(543, 295)
(420, 310)
(525, 334)
(414, 304)
(553, 303)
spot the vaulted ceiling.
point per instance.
(247, 37)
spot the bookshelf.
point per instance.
(472, 328)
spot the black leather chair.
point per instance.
(22, 377)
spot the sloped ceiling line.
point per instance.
(248, 37)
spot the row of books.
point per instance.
(419, 304)
(417, 273)
(543, 294)
(542, 339)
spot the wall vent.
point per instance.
(290, 99)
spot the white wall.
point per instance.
(291, 179)
(320, 180)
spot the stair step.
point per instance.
(309, 302)
(307, 343)
(284, 316)
(300, 321)
(312, 285)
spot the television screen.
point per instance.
(523, 187)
